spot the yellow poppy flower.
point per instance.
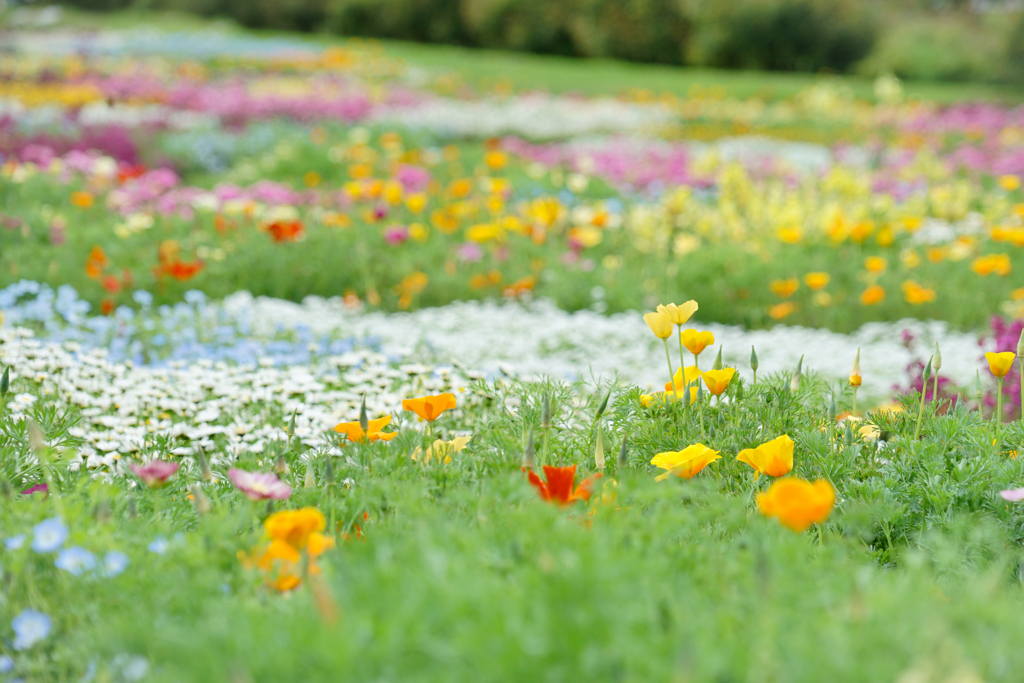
(875, 294)
(663, 397)
(442, 450)
(294, 526)
(685, 463)
(692, 375)
(774, 458)
(678, 314)
(817, 281)
(796, 503)
(695, 342)
(659, 324)
(875, 264)
(784, 288)
(718, 381)
(1000, 363)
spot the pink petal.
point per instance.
(1013, 495)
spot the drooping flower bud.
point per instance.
(937, 358)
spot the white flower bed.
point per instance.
(539, 339)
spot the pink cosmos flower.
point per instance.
(259, 485)
(1012, 495)
(156, 472)
(36, 489)
(396, 235)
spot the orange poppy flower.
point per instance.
(796, 503)
(784, 288)
(875, 294)
(83, 200)
(559, 485)
(718, 381)
(96, 262)
(429, 408)
(286, 231)
(354, 432)
(181, 270)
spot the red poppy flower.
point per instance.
(559, 485)
(180, 270)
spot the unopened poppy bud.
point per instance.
(35, 436)
(204, 464)
(310, 479)
(832, 407)
(753, 359)
(937, 358)
(599, 449)
(721, 418)
(529, 456)
(718, 360)
(927, 371)
(604, 405)
(687, 396)
(847, 434)
(545, 412)
(623, 460)
(364, 419)
(280, 464)
(329, 473)
(1020, 346)
(291, 425)
(5, 381)
(200, 500)
(102, 511)
(978, 392)
(739, 391)
(711, 431)
(855, 378)
(794, 381)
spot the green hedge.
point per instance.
(804, 35)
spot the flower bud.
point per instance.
(847, 433)
(364, 419)
(927, 372)
(937, 358)
(718, 360)
(200, 500)
(599, 449)
(623, 460)
(5, 381)
(855, 377)
(604, 405)
(1020, 346)
(310, 479)
(329, 474)
(529, 456)
(204, 464)
(753, 359)
(832, 412)
(739, 391)
(711, 431)
(794, 382)
(291, 426)
(280, 464)
(545, 412)
(687, 396)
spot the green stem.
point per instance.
(999, 404)
(3, 400)
(1022, 389)
(920, 414)
(855, 401)
(935, 390)
(671, 372)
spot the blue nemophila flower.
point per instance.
(114, 563)
(159, 545)
(15, 542)
(30, 627)
(6, 664)
(49, 535)
(75, 560)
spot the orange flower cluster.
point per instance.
(292, 533)
(286, 231)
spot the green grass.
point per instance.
(465, 575)
(485, 68)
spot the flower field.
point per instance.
(316, 360)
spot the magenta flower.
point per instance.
(156, 472)
(259, 485)
(1012, 495)
(396, 235)
(36, 489)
